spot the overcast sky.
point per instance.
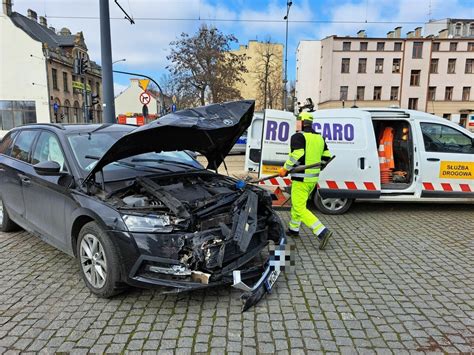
(145, 44)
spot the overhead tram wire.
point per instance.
(241, 20)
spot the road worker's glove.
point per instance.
(283, 172)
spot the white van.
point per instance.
(433, 158)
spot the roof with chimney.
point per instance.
(42, 33)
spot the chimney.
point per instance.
(390, 34)
(443, 33)
(361, 34)
(32, 15)
(43, 21)
(410, 34)
(7, 7)
(397, 32)
(52, 29)
(418, 32)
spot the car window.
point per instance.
(445, 139)
(22, 147)
(7, 143)
(48, 149)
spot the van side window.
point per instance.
(445, 139)
(21, 148)
(7, 142)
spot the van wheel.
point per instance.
(332, 205)
(6, 224)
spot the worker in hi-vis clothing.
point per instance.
(307, 147)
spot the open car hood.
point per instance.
(211, 130)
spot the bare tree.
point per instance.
(268, 73)
(173, 89)
(204, 67)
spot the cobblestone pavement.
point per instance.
(395, 278)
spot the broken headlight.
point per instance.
(148, 223)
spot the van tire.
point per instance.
(332, 206)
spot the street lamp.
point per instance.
(288, 5)
(120, 60)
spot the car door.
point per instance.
(45, 198)
(447, 161)
(15, 167)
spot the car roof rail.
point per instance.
(389, 113)
(57, 125)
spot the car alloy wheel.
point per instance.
(93, 261)
(1, 212)
(334, 204)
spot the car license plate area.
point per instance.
(271, 279)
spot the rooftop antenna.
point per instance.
(429, 12)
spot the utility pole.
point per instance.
(285, 81)
(106, 58)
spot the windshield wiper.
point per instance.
(141, 168)
(163, 161)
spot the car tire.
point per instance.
(99, 261)
(332, 206)
(6, 224)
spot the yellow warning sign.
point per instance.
(456, 170)
(270, 169)
(143, 83)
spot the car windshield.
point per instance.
(88, 148)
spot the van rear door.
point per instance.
(447, 160)
(355, 172)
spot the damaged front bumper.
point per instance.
(274, 265)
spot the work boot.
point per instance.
(324, 238)
(292, 233)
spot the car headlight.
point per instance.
(148, 223)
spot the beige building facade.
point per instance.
(433, 74)
(264, 61)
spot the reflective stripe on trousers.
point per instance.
(300, 193)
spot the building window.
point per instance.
(363, 46)
(362, 65)
(394, 93)
(97, 88)
(54, 74)
(65, 82)
(396, 65)
(345, 65)
(417, 49)
(447, 116)
(451, 65)
(76, 112)
(466, 93)
(66, 109)
(469, 66)
(432, 93)
(458, 29)
(346, 46)
(448, 94)
(453, 46)
(16, 113)
(397, 46)
(471, 30)
(360, 92)
(435, 46)
(343, 93)
(434, 66)
(377, 93)
(415, 78)
(413, 103)
(380, 46)
(379, 65)
(470, 46)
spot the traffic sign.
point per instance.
(145, 98)
(143, 83)
(55, 107)
(174, 99)
(173, 108)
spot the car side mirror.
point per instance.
(48, 168)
